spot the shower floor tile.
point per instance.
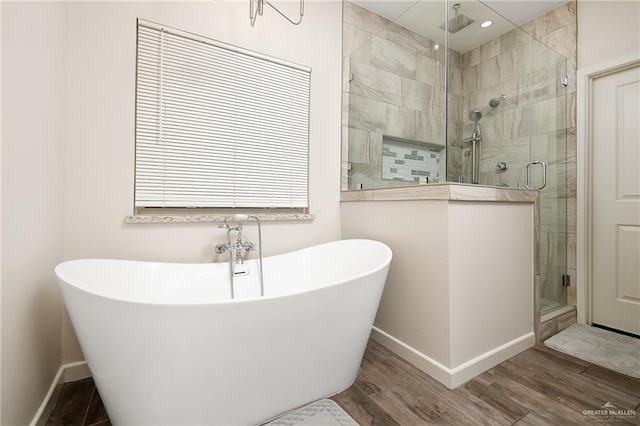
(548, 305)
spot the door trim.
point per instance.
(584, 194)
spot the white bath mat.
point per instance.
(602, 347)
(320, 413)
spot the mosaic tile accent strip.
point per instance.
(410, 162)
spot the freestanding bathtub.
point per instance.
(166, 345)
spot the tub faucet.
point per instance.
(236, 247)
(241, 245)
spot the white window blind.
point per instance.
(218, 126)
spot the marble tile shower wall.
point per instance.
(394, 86)
(532, 105)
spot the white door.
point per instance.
(616, 200)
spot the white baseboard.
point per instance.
(66, 373)
(453, 377)
(76, 371)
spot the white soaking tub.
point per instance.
(166, 345)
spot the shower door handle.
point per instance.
(544, 175)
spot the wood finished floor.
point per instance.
(537, 387)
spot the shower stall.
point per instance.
(443, 91)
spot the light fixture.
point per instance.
(256, 7)
(486, 24)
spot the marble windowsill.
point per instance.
(212, 218)
(443, 191)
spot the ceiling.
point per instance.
(425, 16)
(521, 11)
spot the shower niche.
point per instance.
(387, 161)
(410, 161)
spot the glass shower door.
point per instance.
(548, 168)
(511, 131)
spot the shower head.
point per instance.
(458, 22)
(493, 103)
(475, 115)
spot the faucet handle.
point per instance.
(248, 246)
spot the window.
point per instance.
(218, 126)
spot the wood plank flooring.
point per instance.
(537, 387)
(79, 404)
